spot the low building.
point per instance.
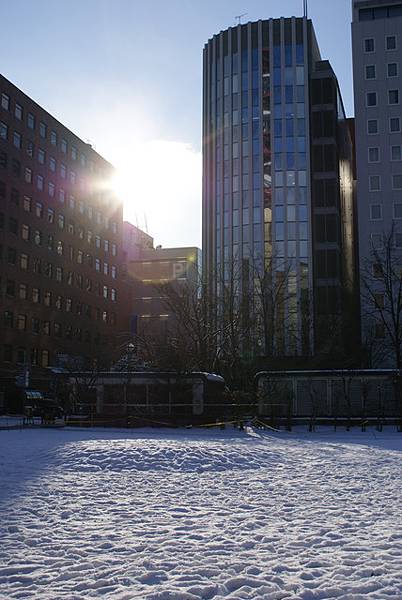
(157, 266)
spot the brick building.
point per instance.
(60, 243)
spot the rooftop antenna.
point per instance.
(146, 222)
(239, 18)
(305, 10)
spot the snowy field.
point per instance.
(195, 514)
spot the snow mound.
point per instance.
(159, 455)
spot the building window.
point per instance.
(392, 69)
(10, 287)
(369, 45)
(106, 245)
(105, 268)
(97, 241)
(41, 156)
(35, 295)
(13, 226)
(46, 327)
(59, 274)
(11, 256)
(51, 189)
(8, 318)
(397, 182)
(5, 101)
(52, 164)
(22, 291)
(63, 171)
(18, 111)
(113, 272)
(24, 261)
(73, 152)
(45, 358)
(395, 125)
(21, 322)
(31, 121)
(390, 42)
(398, 210)
(16, 167)
(39, 210)
(80, 256)
(398, 240)
(71, 201)
(114, 250)
(97, 264)
(370, 72)
(38, 237)
(113, 295)
(30, 148)
(47, 298)
(72, 177)
(374, 183)
(3, 131)
(50, 215)
(8, 353)
(396, 152)
(371, 99)
(21, 356)
(49, 270)
(62, 196)
(375, 212)
(28, 175)
(60, 221)
(35, 325)
(374, 154)
(3, 160)
(69, 304)
(25, 233)
(393, 96)
(39, 182)
(27, 203)
(105, 291)
(53, 138)
(42, 129)
(59, 302)
(17, 140)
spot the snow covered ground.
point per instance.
(195, 514)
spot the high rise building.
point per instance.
(377, 63)
(278, 214)
(60, 242)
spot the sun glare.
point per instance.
(160, 185)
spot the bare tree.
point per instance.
(382, 298)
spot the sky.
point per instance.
(126, 76)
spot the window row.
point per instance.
(48, 298)
(375, 182)
(369, 44)
(54, 272)
(392, 96)
(37, 357)
(22, 322)
(392, 70)
(394, 125)
(376, 213)
(374, 154)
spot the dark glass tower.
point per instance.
(259, 182)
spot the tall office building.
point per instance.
(278, 185)
(60, 242)
(377, 64)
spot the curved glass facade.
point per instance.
(256, 190)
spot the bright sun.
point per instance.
(160, 185)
